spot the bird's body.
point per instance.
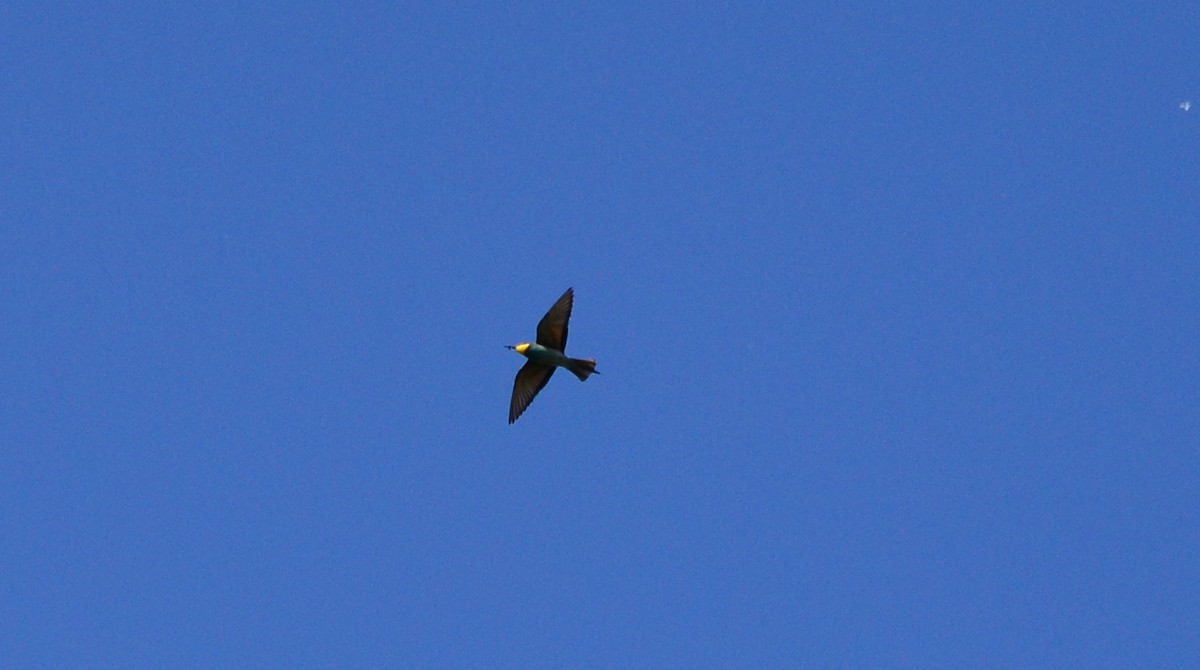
(545, 355)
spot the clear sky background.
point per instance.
(895, 304)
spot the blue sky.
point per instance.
(895, 308)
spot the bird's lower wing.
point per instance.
(531, 378)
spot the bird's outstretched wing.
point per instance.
(552, 329)
(531, 378)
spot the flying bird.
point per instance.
(545, 355)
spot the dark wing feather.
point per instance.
(531, 378)
(552, 329)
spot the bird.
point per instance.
(545, 355)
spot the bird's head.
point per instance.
(519, 348)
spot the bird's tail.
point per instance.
(581, 367)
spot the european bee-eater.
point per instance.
(545, 355)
